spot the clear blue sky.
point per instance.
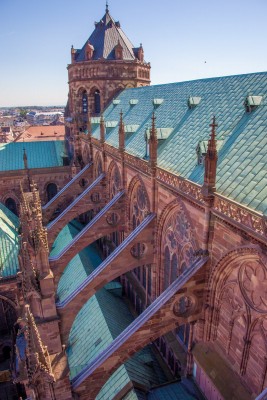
(183, 40)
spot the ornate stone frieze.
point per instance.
(242, 215)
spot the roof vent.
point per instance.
(111, 124)
(252, 102)
(133, 102)
(193, 101)
(162, 133)
(157, 102)
(130, 128)
(116, 101)
(95, 120)
(202, 149)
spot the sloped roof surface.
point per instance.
(39, 154)
(104, 38)
(184, 390)
(80, 266)
(9, 242)
(242, 163)
(111, 315)
(51, 132)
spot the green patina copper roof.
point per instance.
(184, 390)
(9, 242)
(132, 395)
(241, 172)
(111, 316)
(80, 265)
(39, 154)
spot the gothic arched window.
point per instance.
(115, 181)
(84, 103)
(174, 267)
(167, 260)
(177, 247)
(97, 102)
(51, 191)
(11, 205)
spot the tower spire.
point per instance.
(102, 129)
(211, 163)
(153, 143)
(121, 134)
(25, 158)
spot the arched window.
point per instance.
(174, 267)
(84, 103)
(11, 205)
(166, 268)
(97, 102)
(51, 191)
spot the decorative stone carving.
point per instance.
(138, 250)
(253, 285)
(184, 306)
(96, 197)
(113, 219)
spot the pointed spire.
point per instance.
(38, 357)
(153, 143)
(107, 10)
(25, 161)
(212, 141)
(210, 163)
(121, 134)
(89, 126)
(102, 129)
(25, 158)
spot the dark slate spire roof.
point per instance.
(104, 39)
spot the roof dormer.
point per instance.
(252, 102)
(118, 51)
(193, 101)
(89, 51)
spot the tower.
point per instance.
(106, 64)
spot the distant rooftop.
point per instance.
(39, 154)
(37, 133)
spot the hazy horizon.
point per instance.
(182, 41)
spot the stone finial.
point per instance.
(25, 159)
(121, 134)
(89, 125)
(107, 10)
(153, 143)
(140, 53)
(118, 51)
(210, 163)
(37, 355)
(102, 129)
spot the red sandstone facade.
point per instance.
(221, 309)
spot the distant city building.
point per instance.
(43, 118)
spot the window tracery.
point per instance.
(178, 247)
(115, 181)
(139, 210)
(240, 317)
